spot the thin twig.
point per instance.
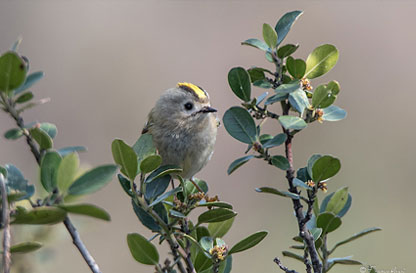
(5, 222)
(282, 267)
(188, 260)
(37, 154)
(306, 261)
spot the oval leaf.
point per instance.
(334, 113)
(275, 141)
(219, 229)
(328, 222)
(285, 23)
(325, 167)
(24, 97)
(299, 100)
(239, 81)
(31, 79)
(67, 171)
(12, 71)
(240, 125)
(338, 201)
(49, 128)
(125, 156)
(286, 50)
(156, 187)
(42, 138)
(321, 60)
(150, 163)
(142, 250)
(93, 180)
(88, 210)
(269, 36)
(216, 215)
(291, 122)
(40, 216)
(14, 133)
(25, 247)
(49, 170)
(248, 242)
(256, 43)
(296, 67)
(238, 163)
(281, 162)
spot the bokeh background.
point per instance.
(106, 62)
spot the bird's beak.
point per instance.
(207, 109)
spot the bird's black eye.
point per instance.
(189, 106)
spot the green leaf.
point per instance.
(248, 242)
(299, 183)
(88, 210)
(269, 36)
(346, 207)
(93, 180)
(163, 171)
(288, 87)
(238, 163)
(321, 60)
(325, 202)
(42, 138)
(206, 243)
(125, 156)
(240, 125)
(165, 195)
(67, 171)
(260, 98)
(256, 43)
(144, 147)
(31, 79)
(291, 122)
(216, 215)
(239, 81)
(49, 128)
(145, 218)
(25, 247)
(142, 250)
(345, 260)
(277, 192)
(256, 74)
(296, 67)
(203, 264)
(219, 229)
(277, 140)
(334, 113)
(316, 233)
(338, 201)
(157, 187)
(14, 133)
(312, 161)
(25, 97)
(12, 71)
(217, 204)
(285, 23)
(292, 255)
(286, 50)
(202, 231)
(16, 181)
(328, 222)
(264, 83)
(275, 98)
(71, 149)
(325, 167)
(49, 170)
(299, 100)
(176, 213)
(150, 163)
(125, 184)
(281, 162)
(40, 216)
(356, 236)
(191, 189)
(303, 174)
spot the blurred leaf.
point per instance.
(93, 180)
(15, 181)
(88, 210)
(286, 50)
(248, 242)
(145, 218)
(40, 216)
(125, 184)
(176, 213)
(226, 266)
(12, 71)
(16, 44)
(25, 97)
(32, 104)
(67, 171)
(162, 171)
(165, 195)
(219, 229)
(31, 79)
(42, 138)
(338, 201)
(49, 170)
(216, 215)
(14, 133)
(356, 236)
(156, 187)
(15, 196)
(281, 162)
(25, 247)
(277, 140)
(328, 222)
(217, 204)
(206, 243)
(346, 260)
(256, 43)
(269, 36)
(239, 81)
(238, 163)
(256, 74)
(325, 167)
(191, 189)
(125, 156)
(285, 23)
(150, 163)
(277, 192)
(321, 60)
(292, 255)
(71, 149)
(142, 250)
(49, 128)
(291, 122)
(240, 125)
(299, 100)
(296, 67)
(334, 113)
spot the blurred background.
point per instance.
(106, 63)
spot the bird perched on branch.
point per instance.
(184, 127)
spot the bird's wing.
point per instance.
(148, 124)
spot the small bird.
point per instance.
(184, 128)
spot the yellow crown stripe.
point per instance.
(197, 91)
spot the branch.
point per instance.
(5, 222)
(36, 153)
(282, 267)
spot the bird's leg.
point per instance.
(196, 185)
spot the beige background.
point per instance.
(106, 62)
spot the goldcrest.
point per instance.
(184, 128)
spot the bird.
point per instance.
(184, 126)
